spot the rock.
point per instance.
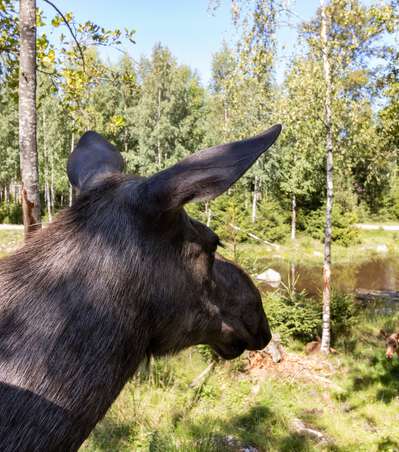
(274, 348)
(299, 427)
(271, 277)
(382, 248)
(234, 444)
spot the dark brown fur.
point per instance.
(113, 279)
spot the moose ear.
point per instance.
(208, 173)
(93, 158)
(383, 334)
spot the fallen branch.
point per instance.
(300, 428)
(253, 236)
(199, 380)
(372, 295)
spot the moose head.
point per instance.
(123, 274)
(196, 295)
(391, 343)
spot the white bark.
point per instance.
(6, 195)
(293, 217)
(208, 212)
(47, 194)
(27, 117)
(159, 120)
(52, 182)
(326, 335)
(70, 186)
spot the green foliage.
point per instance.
(293, 316)
(344, 233)
(272, 220)
(11, 213)
(230, 217)
(391, 200)
(298, 316)
(228, 213)
(344, 315)
(207, 353)
(156, 111)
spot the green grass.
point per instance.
(9, 240)
(310, 251)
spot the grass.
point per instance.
(9, 240)
(159, 411)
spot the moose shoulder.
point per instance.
(122, 274)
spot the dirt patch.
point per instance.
(293, 367)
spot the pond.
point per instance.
(375, 273)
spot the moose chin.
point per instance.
(122, 274)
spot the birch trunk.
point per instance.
(52, 189)
(159, 120)
(47, 194)
(27, 117)
(326, 336)
(71, 196)
(7, 195)
(208, 212)
(254, 200)
(293, 217)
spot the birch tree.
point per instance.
(27, 117)
(326, 325)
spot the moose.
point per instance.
(121, 275)
(391, 343)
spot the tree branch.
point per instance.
(71, 31)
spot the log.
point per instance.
(299, 427)
(373, 295)
(200, 379)
(253, 236)
(275, 349)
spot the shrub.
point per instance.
(11, 213)
(272, 221)
(293, 317)
(342, 222)
(343, 315)
(391, 200)
(298, 316)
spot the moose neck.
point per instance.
(70, 334)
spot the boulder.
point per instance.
(382, 248)
(271, 277)
(274, 348)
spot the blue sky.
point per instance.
(191, 31)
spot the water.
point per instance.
(376, 273)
